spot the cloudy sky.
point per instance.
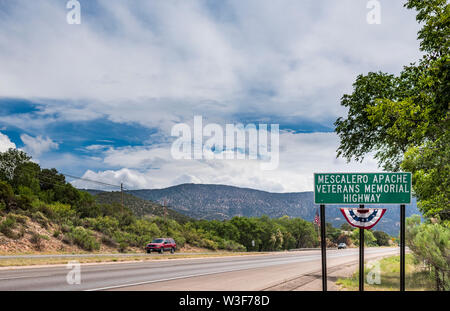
(99, 99)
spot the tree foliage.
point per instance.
(382, 238)
(430, 243)
(369, 238)
(405, 120)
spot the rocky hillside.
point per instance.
(25, 235)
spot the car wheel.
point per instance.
(172, 250)
(149, 251)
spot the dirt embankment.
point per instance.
(30, 237)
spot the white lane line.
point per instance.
(19, 277)
(197, 275)
(189, 276)
(161, 280)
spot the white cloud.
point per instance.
(5, 143)
(300, 156)
(96, 147)
(159, 61)
(37, 145)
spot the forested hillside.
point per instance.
(140, 207)
(40, 211)
(203, 201)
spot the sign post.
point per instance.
(361, 257)
(323, 245)
(360, 189)
(402, 247)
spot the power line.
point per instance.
(77, 177)
(90, 180)
(47, 180)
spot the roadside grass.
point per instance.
(11, 262)
(417, 278)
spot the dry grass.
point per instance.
(112, 258)
(416, 277)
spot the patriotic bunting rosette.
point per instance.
(363, 218)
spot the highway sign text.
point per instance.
(362, 188)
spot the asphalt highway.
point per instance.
(247, 272)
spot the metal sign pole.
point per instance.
(402, 247)
(323, 242)
(361, 257)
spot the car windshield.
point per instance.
(158, 241)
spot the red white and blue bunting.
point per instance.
(364, 218)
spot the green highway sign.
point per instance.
(362, 188)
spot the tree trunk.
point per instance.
(439, 283)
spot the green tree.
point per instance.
(405, 119)
(430, 243)
(9, 161)
(332, 233)
(301, 232)
(6, 196)
(51, 179)
(382, 238)
(27, 175)
(369, 238)
(346, 227)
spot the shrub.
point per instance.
(56, 233)
(40, 219)
(123, 247)
(21, 233)
(36, 239)
(84, 239)
(24, 202)
(60, 211)
(107, 240)
(382, 238)
(144, 227)
(231, 246)
(206, 243)
(67, 239)
(181, 241)
(67, 227)
(106, 225)
(88, 223)
(128, 238)
(7, 225)
(21, 219)
(6, 193)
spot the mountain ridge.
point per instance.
(216, 201)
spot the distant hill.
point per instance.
(139, 206)
(205, 201)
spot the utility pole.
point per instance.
(165, 221)
(165, 215)
(121, 193)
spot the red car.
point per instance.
(160, 245)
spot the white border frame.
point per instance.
(410, 187)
